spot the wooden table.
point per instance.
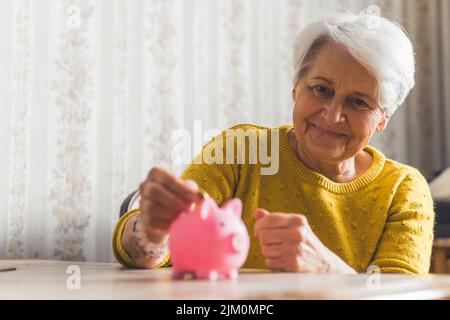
(39, 279)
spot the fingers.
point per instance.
(158, 194)
(273, 251)
(277, 220)
(192, 184)
(259, 213)
(285, 263)
(303, 258)
(163, 197)
(288, 244)
(153, 210)
(288, 235)
(281, 237)
(277, 262)
(174, 184)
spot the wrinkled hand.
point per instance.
(163, 197)
(288, 244)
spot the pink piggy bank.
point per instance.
(208, 241)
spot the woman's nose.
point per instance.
(333, 112)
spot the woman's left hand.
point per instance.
(288, 244)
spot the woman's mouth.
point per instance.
(325, 132)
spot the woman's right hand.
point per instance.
(163, 197)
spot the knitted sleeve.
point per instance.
(406, 243)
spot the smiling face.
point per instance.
(336, 106)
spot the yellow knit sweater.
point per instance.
(383, 218)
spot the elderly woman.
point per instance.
(336, 204)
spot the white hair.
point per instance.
(380, 45)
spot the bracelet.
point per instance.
(145, 246)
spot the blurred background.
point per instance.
(90, 92)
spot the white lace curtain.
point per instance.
(90, 92)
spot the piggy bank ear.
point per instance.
(233, 206)
(207, 207)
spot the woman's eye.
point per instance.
(321, 90)
(359, 102)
